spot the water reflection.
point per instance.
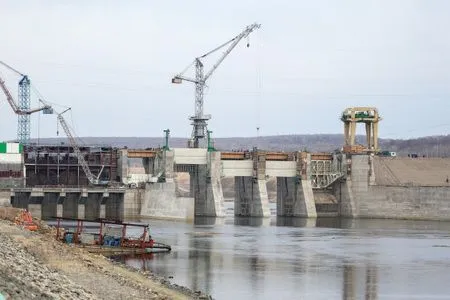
(360, 280)
(200, 263)
(251, 221)
(296, 222)
(349, 283)
(298, 258)
(371, 282)
(207, 221)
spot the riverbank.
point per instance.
(35, 265)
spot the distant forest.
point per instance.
(432, 146)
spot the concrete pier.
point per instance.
(161, 199)
(70, 205)
(92, 211)
(251, 198)
(207, 187)
(47, 203)
(295, 196)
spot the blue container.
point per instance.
(69, 238)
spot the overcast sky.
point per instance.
(112, 62)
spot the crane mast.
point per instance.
(23, 109)
(24, 97)
(92, 179)
(199, 120)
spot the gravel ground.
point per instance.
(36, 266)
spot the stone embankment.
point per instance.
(33, 265)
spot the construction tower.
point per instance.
(23, 126)
(367, 115)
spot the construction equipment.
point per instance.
(23, 107)
(94, 180)
(199, 120)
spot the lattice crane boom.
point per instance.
(199, 119)
(13, 104)
(92, 179)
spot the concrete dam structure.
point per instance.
(307, 185)
(395, 188)
(250, 171)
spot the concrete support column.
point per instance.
(82, 204)
(369, 135)
(149, 165)
(192, 177)
(352, 132)
(81, 211)
(93, 203)
(70, 205)
(206, 187)
(114, 209)
(103, 202)
(375, 135)
(347, 133)
(251, 192)
(122, 165)
(60, 204)
(214, 192)
(49, 205)
(286, 187)
(168, 164)
(32, 202)
(304, 204)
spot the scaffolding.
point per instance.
(57, 165)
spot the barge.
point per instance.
(111, 237)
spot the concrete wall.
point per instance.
(49, 205)
(92, 206)
(161, 201)
(132, 203)
(114, 206)
(419, 203)
(70, 205)
(5, 197)
(359, 197)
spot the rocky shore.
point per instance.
(33, 265)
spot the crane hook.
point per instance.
(248, 41)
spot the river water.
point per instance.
(294, 258)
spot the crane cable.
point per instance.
(258, 94)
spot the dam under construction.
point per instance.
(185, 183)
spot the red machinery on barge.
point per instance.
(105, 242)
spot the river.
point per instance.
(294, 258)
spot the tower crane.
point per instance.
(23, 109)
(199, 119)
(23, 126)
(94, 180)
